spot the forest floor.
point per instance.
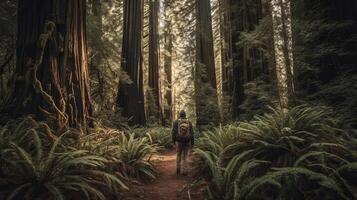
(167, 186)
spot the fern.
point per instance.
(55, 173)
(285, 182)
(277, 154)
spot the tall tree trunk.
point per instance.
(154, 69)
(245, 16)
(226, 49)
(51, 74)
(205, 76)
(355, 30)
(237, 60)
(283, 50)
(168, 45)
(131, 93)
(96, 65)
(245, 27)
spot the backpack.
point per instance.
(184, 129)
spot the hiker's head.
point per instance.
(182, 114)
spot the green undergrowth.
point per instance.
(301, 154)
(38, 162)
(157, 135)
(304, 153)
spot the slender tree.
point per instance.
(281, 16)
(355, 22)
(131, 93)
(154, 68)
(237, 57)
(95, 66)
(51, 75)
(226, 46)
(168, 45)
(207, 110)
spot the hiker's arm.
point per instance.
(174, 132)
(192, 135)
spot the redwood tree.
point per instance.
(247, 62)
(51, 75)
(131, 93)
(236, 83)
(154, 70)
(205, 76)
(226, 45)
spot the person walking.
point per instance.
(182, 137)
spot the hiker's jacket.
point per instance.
(175, 137)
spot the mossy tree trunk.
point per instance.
(131, 93)
(51, 79)
(207, 110)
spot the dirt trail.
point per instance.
(167, 186)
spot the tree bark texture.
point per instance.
(154, 68)
(131, 93)
(355, 31)
(226, 45)
(205, 75)
(237, 58)
(281, 16)
(51, 78)
(168, 45)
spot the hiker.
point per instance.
(182, 137)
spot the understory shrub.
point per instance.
(298, 154)
(127, 154)
(38, 162)
(158, 135)
(45, 168)
(259, 94)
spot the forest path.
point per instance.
(167, 186)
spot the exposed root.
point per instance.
(45, 128)
(57, 113)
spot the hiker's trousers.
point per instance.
(182, 154)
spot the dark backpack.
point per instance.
(184, 129)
